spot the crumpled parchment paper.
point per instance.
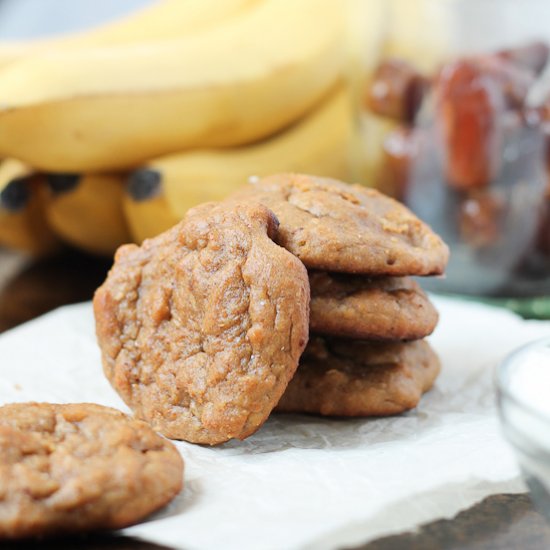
(307, 482)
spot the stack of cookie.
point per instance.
(203, 329)
(365, 355)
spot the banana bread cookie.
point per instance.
(202, 327)
(80, 467)
(338, 377)
(380, 308)
(334, 226)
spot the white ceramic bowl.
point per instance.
(523, 381)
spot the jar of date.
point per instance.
(453, 109)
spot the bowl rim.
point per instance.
(503, 369)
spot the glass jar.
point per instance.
(453, 103)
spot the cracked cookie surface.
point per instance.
(338, 377)
(380, 308)
(201, 328)
(334, 226)
(80, 467)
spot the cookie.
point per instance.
(333, 226)
(381, 308)
(78, 468)
(201, 328)
(338, 377)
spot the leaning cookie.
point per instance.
(78, 468)
(202, 327)
(339, 377)
(381, 308)
(333, 226)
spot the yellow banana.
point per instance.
(145, 206)
(23, 225)
(161, 20)
(112, 108)
(317, 144)
(86, 211)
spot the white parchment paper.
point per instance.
(307, 482)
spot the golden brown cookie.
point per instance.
(338, 377)
(381, 308)
(333, 226)
(80, 467)
(201, 328)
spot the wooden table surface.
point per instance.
(30, 288)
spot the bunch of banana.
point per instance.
(129, 125)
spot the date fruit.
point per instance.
(468, 103)
(396, 91)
